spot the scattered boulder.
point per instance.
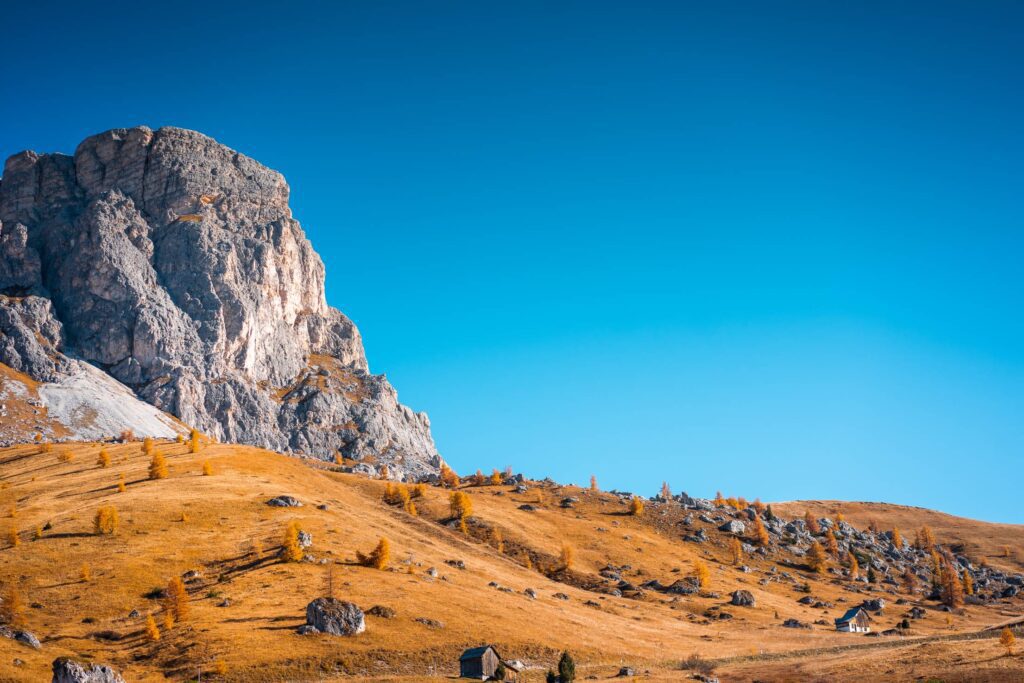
(795, 623)
(305, 539)
(560, 596)
(429, 623)
(530, 593)
(625, 671)
(24, 637)
(733, 526)
(742, 598)
(874, 605)
(526, 507)
(284, 502)
(69, 671)
(382, 612)
(337, 617)
(458, 564)
(191, 575)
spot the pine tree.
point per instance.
(760, 533)
(1007, 640)
(291, 551)
(103, 459)
(812, 523)
(106, 521)
(636, 506)
(817, 560)
(152, 632)
(158, 466)
(566, 668)
(735, 550)
(177, 599)
(701, 573)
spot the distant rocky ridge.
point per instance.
(173, 263)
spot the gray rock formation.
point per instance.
(174, 264)
(70, 671)
(337, 617)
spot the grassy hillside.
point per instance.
(247, 603)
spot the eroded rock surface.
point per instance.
(173, 263)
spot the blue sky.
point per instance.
(768, 248)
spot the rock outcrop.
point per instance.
(173, 264)
(333, 616)
(69, 671)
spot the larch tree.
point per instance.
(379, 557)
(194, 443)
(103, 459)
(207, 469)
(666, 492)
(152, 630)
(1007, 640)
(12, 607)
(811, 523)
(121, 488)
(106, 521)
(496, 478)
(760, 533)
(968, 583)
(701, 573)
(830, 543)
(566, 557)
(636, 506)
(593, 483)
(177, 599)
(291, 551)
(852, 566)
(147, 445)
(735, 550)
(478, 478)
(817, 560)
(758, 506)
(719, 499)
(460, 505)
(158, 466)
(897, 539)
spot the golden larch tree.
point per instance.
(852, 566)
(566, 557)
(103, 459)
(379, 557)
(194, 443)
(291, 551)
(158, 466)
(817, 560)
(830, 543)
(811, 523)
(496, 477)
(636, 506)
(460, 504)
(760, 533)
(666, 492)
(121, 488)
(701, 573)
(968, 583)
(106, 521)
(177, 599)
(593, 483)
(897, 539)
(735, 550)
(207, 469)
(1007, 640)
(152, 631)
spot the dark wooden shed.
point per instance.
(479, 663)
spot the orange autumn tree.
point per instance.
(817, 560)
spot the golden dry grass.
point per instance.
(255, 636)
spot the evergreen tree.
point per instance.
(871, 574)
(566, 668)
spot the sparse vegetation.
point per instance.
(566, 557)
(735, 550)
(207, 469)
(291, 551)
(177, 600)
(817, 560)
(1007, 640)
(103, 459)
(194, 443)
(460, 504)
(701, 573)
(152, 631)
(636, 506)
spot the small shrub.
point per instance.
(698, 664)
(103, 459)
(566, 668)
(121, 488)
(127, 435)
(147, 445)
(13, 540)
(207, 469)
(66, 455)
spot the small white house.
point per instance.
(856, 620)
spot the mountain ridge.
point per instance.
(173, 263)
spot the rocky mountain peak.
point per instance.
(173, 263)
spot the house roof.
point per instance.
(851, 614)
(475, 652)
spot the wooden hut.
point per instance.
(856, 620)
(479, 663)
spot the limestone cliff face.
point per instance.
(173, 263)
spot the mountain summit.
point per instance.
(173, 264)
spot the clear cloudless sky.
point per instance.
(769, 248)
